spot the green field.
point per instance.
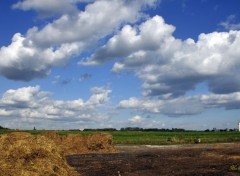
(157, 138)
(161, 138)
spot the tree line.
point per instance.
(151, 129)
(134, 129)
(3, 128)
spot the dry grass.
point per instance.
(77, 144)
(212, 155)
(218, 155)
(23, 154)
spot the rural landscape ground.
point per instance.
(121, 153)
(181, 160)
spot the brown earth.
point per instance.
(43, 155)
(180, 160)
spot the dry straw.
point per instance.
(25, 155)
(77, 144)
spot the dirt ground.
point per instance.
(181, 160)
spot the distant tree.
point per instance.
(100, 129)
(34, 128)
(108, 129)
(214, 129)
(2, 128)
(178, 129)
(131, 129)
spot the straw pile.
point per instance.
(100, 142)
(77, 144)
(25, 155)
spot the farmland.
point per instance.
(133, 153)
(177, 160)
(162, 138)
(156, 138)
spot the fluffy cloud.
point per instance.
(182, 106)
(131, 40)
(32, 104)
(214, 58)
(20, 98)
(33, 55)
(136, 119)
(142, 105)
(47, 8)
(93, 23)
(230, 23)
(169, 66)
(25, 61)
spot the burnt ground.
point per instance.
(181, 160)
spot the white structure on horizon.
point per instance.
(239, 126)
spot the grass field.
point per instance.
(157, 138)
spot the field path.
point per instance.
(132, 148)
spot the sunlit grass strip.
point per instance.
(156, 138)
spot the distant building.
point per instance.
(239, 126)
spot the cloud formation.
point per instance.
(120, 32)
(22, 60)
(130, 40)
(34, 54)
(32, 104)
(136, 119)
(182, 106)
(230, 23)
(46, 8)
(169, 66)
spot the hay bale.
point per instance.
(72, 144)
(28, 155)
(100, 142)
(53, 136)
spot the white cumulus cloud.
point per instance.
(130, 40)
(136, 118)
(34, 54)
(183, 105)
(169, 66)
(26, 61)
(32, 104)
(46, 8)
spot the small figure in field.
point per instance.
(197, 141)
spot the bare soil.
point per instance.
(180, 160)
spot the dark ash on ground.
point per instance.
(179, 160)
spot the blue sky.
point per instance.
(75, 64)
